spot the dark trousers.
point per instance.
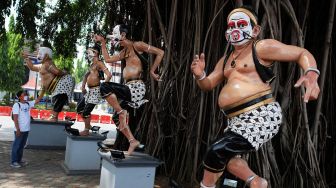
(18, 146)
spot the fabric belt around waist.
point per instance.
(133, 80)
(53, 84)
(92, 87)
(250, 105)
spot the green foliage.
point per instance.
(72, 106)
(72, 21)
(27, 13)
(43, 107)
(68, 22)
(11, 24)
(12, 70)
(7, 98)
(65, 63)
(80, 70)
(64, 25)
(4, 11)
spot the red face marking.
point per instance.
(231, 25)
(235, 35)
(242, 23)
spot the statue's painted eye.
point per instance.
(231, 25)
(242, 23)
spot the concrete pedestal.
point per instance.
(81, 155)
(47, 135)
(137, 170)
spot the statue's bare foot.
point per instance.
(84, 133)
(52, 118)
(133, 144)
(259, 182)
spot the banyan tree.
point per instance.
(181, 121)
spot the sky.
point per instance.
(7, 18)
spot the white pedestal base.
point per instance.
(81, 155)
(137, 170)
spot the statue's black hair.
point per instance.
(96, 47)
(47, 44)
(123, 28)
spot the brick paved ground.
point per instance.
(44, 171)
(44, 168)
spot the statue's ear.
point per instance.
(46, 57)
(255, 31)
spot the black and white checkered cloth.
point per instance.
(258, 125)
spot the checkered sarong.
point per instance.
(138, 90)
(65, 85)
(93, 95)
(258, 125)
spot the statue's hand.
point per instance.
(98, 38)
(309, 81)
(198, 65)
(24, 55)
(155, 76)
(84, 90)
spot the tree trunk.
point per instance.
(181, 121)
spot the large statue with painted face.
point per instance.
(254, 117)
(92, 79)
(58, 83)
(132, 92)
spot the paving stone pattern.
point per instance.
(44, 170)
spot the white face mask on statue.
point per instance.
(116, 35)
(43, 51)
(239, 29)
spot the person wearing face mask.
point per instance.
(254, 117)
(58, 83)
(21, 118)
(133, 91)
(92, 79)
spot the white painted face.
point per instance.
(239, 29)
(43, 51)
(116, 35)
(90, 54)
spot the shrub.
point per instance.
(72, 106)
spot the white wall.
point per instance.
(2, 94)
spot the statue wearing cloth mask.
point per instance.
(92, 79)
(253, 114)
(132, 92)
(58, 83)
